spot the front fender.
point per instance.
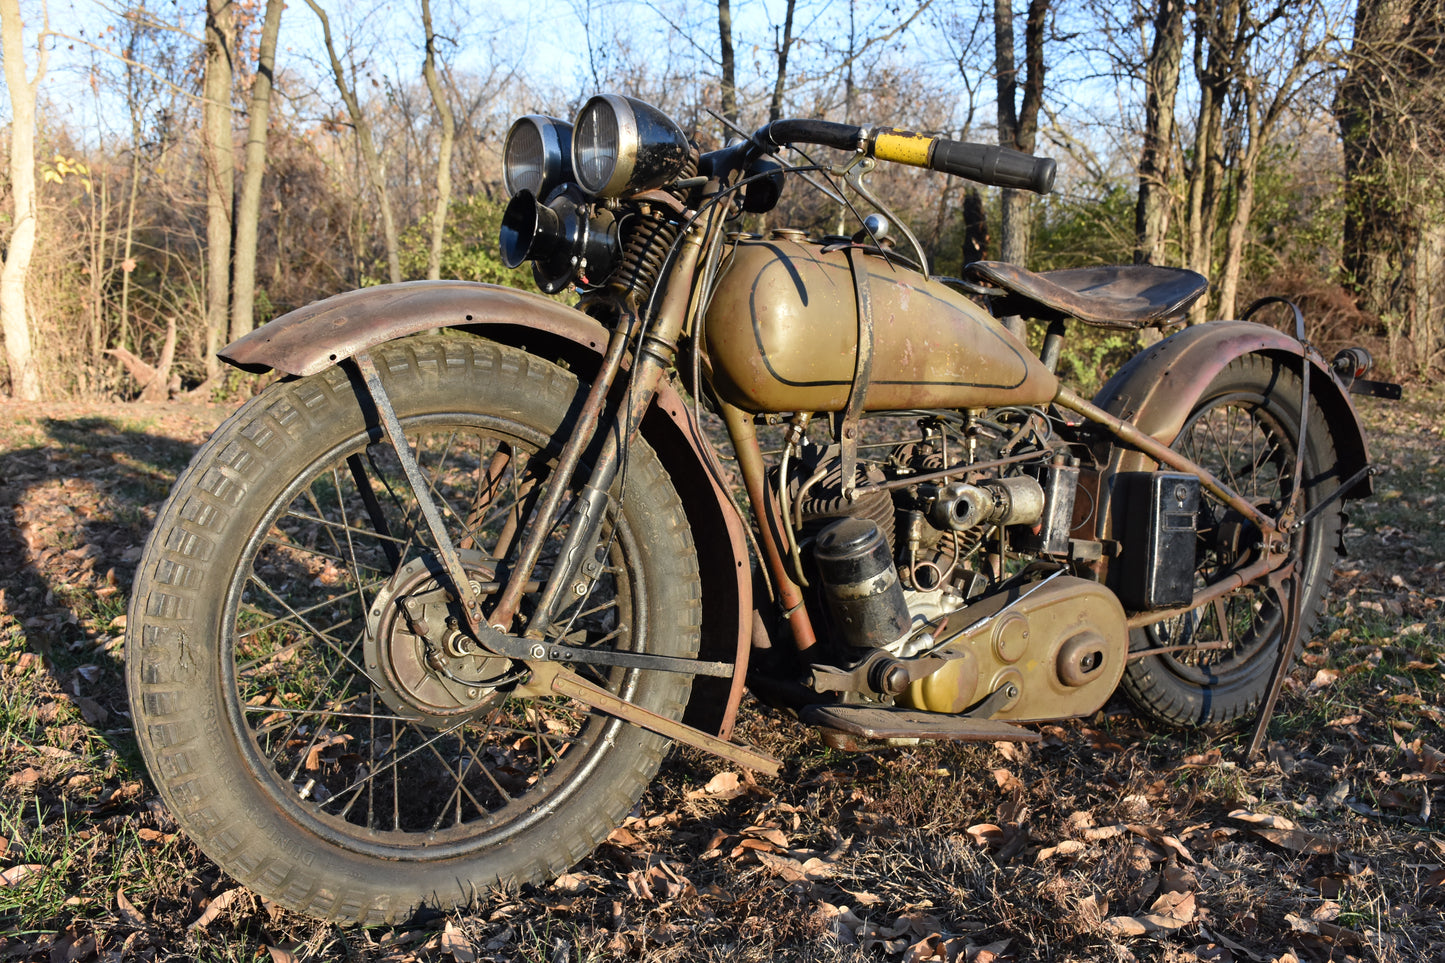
(312, 338)
(1159, 387)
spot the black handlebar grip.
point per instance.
(997, 166)
(824, 132)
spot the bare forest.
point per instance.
(176, 175)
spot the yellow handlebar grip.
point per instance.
(902, 146)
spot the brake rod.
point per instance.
(548, 679)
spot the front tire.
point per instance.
(299, 691)
(1246, 432)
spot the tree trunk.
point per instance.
(220, 175)
(248, 205)
(975, 227)
(14, 322)
(366, 146)
(1234, 238)
(1391, 114)
(1018, 125)
(1161, 84)
(729, 73)
(775, 106)
(1213, 69)
(444, 159)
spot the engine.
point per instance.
(939, 578)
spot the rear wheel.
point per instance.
(1246, 432)
(301, 692)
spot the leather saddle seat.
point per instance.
(1127, 297)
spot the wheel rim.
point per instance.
(340, 715)
(1243, 441)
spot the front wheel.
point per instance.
(1246, 431)
(300, 690)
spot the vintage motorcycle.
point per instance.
(426, 613)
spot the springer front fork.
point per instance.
(546, 659)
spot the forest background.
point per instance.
(177, 174)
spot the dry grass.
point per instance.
(927, 852)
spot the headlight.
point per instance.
(537, 155)
(621, 145)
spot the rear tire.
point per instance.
(297, 693)
(1245, 430)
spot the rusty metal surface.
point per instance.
(879, 722)
(314, 337)
(548, 678)
(782, 335)
(1160, 386)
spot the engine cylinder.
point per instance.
(861, 583)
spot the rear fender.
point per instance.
(1160, 386)
(312, 338)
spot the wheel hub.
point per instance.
(423, 665)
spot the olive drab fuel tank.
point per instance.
(782, 335)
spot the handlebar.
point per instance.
(995, 166)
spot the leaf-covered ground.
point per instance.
(1110, 840)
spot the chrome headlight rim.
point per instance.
(624, 157)
(552, 167)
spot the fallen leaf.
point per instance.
(452, 941)
(1007, 781)
(623, 837)
(1012, 751)
(1285, 832)
(215, 907)
(1069, 847)
(774, 836)
(127, 912)
(570, 884)
(1093, 909)
(23, 779)
(986, 834)
(1125, 926)
(91, 711)
(18, 874)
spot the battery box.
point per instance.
(1154, 512)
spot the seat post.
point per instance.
(1053, 345)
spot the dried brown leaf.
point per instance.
(1093, 909)
(768, 833)
(986, 834)
(1286, 833)
(928, 948)
(1125, 926)
(127, 912)
(452, 941)
(1069, 847)
(624, 838)
(16, 875)
(571, 884)
(216, 907)
(1007, 781)
(1012, 751)
(281, 955)
(91, 711)
(24, 779)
